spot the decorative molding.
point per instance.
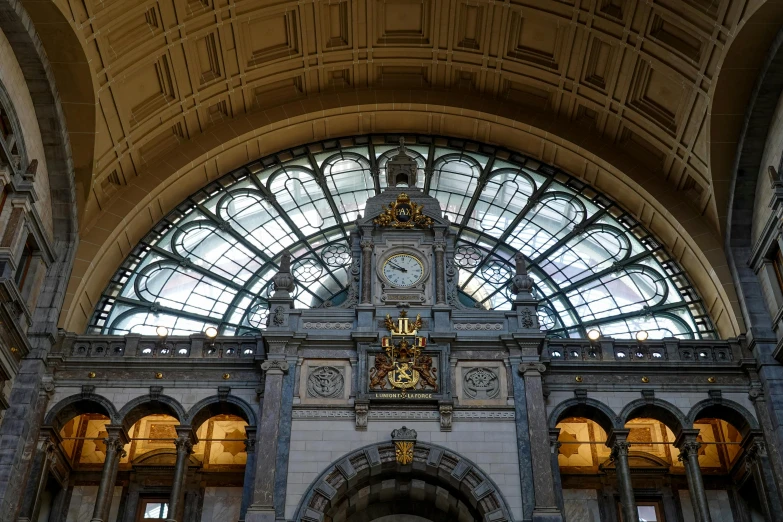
(328, 326)
(322, 414)
(484, 415)
(479, 326)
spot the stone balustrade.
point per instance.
(667, 349)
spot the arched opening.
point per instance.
(370, 485)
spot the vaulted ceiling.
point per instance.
(617, 92)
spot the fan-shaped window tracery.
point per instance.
(211, 260)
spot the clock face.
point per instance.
(403, 270)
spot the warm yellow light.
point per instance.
(211, 332)
(162, 331)
(594, 334)
(642, 335)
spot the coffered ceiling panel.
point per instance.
(638, 74)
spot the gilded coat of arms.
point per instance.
(402, 364)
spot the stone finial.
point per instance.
(521, 283)
(283, 280)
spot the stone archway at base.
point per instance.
(370, 485)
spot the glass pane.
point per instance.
(647, 514)
(211, 260)
(156, 510)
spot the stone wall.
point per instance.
(720, 508)
(221, 504)
(581, 505)
(773, 148)
(83, 503)
(317, 443)
(15, 85)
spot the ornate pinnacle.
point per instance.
(521, 283)
(283, 280)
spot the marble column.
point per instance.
(367, 248)
(440, 272)
(262, 508)
(184, 444)
(114, 442)
(250, 470)
(620, 447)
(758, 465)
(689, 455)
(545, 508)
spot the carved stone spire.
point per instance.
(283, 280)
(401, 170)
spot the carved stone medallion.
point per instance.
(325, 382)
(481, 383)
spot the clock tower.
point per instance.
(405, 244)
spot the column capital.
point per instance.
(554, 442)
(530, 369)
(618, 437)
(367, 245)
(686, 436)
(275, 367)
(117, 435)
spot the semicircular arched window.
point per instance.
(211, 260)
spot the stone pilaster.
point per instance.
(523, 441)
(620, 446)
(541, 461)
(262, 508)
(758, 465)
(250, 471)
(554, 446)
(367, 248)
(44, 458)
(440, 272)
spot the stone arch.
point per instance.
(729, 411)
(592, 409)
(76, 405)
(657, 409)
(436, 473)
(748, 83)
(146, 405)
(211, 406)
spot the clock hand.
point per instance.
(401, 269)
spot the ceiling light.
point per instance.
(162, 331)
(642, 335)
(211, 332)
(594, 334)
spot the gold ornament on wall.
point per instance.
(404, 452)
(226, 376)
(91, 375)
(158, 375)
(711, 380)
(578, 378)
(403, 213)
(645, 379)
